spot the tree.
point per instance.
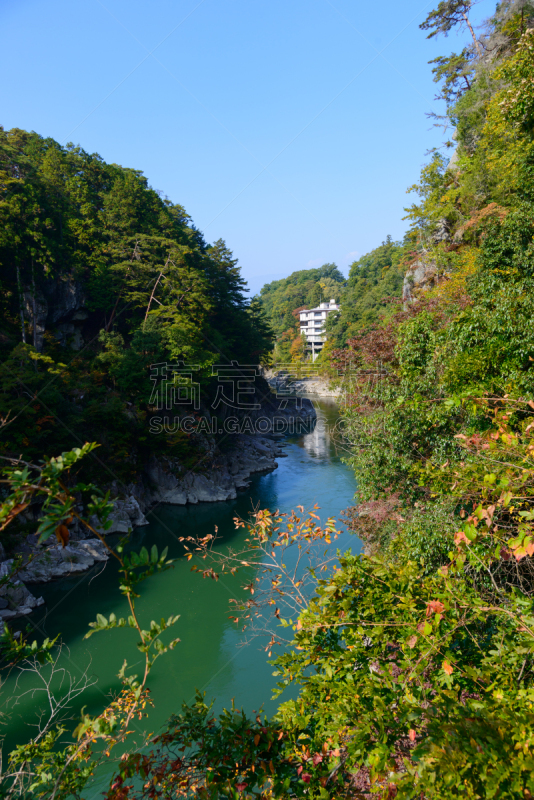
(456, 74)
(446, 16)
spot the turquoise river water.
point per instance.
(209, 656)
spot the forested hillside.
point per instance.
(439, 416)
(414, 663)
(373, 279)
(279, 300)
(101, 278)
(304, 288)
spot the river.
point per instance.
(211, 655)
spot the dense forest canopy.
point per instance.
(304, 288)
(372, 278)
(102, 277)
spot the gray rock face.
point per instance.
(15, 599)
(126, 515)
(422, 275)
(441, 232)
(61, 306)
(39, 304)
(59, 562)
(70, 335)
(65, 298)
(285, 385)
(251, 453)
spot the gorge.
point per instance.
(213, 654)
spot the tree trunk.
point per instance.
(34, 315)
(21, 305)
(477, 46)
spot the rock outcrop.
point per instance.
(15, 599)
(286, 385)
(126, 514)
(421, 276)
(48, 563)
(43, 564)
(60, 307)
(229, 473)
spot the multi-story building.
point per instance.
(312, 324)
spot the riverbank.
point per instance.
(213, 654)
(224, 469)
(286, 384)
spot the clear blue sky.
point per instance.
(290, 128)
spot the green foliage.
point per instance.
(76, 231)
(305, 288)
(48, 766)
(46, 485)
(372, 279)
(425, 537)
(444, 658)
(455, 72)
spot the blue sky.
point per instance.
(290, 128)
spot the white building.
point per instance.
(312, 324)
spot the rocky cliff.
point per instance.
(218, 475)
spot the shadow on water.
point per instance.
(208, 656)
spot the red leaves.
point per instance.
(412, 735)
(460, 537)
(434, 607)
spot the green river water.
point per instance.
(209, 656)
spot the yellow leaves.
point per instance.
(257, 739)
(453, 287)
